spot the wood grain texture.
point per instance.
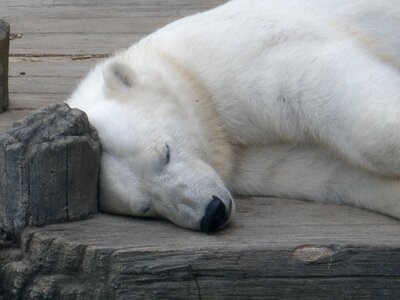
(60, 40)
(51, 67)
(23, 104)
(47, 43)
(40, 81)
(87, 27)
(275, 248)
(49, 164)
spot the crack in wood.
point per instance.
(17, 58)
(190, 269)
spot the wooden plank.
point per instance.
(34, 101)
(39, 81)
(90, 28)
(275, 248)
(34, 92)
(143, 13)
(157, 3)
(126, 24)
(96, 12)
(43, 85)
(259, 222)
(62, 66)
(66, 8)
(38, 44)
(59, 27)
(340, 288)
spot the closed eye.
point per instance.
(167, 154)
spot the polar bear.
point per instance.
(295, 98)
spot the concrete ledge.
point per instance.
(4, 50)
(275, 249)
(49, 164)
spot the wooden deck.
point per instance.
(55, 42)
(275, 248)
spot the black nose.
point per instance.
(215, 216)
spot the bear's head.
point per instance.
(159, 158)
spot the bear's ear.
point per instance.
(118, 76)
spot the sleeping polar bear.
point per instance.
(295, 98)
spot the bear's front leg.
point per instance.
(310, 173)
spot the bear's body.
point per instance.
(292, 98)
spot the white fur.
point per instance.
(294, 98)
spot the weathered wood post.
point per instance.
(4, 51)
(49, 164)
